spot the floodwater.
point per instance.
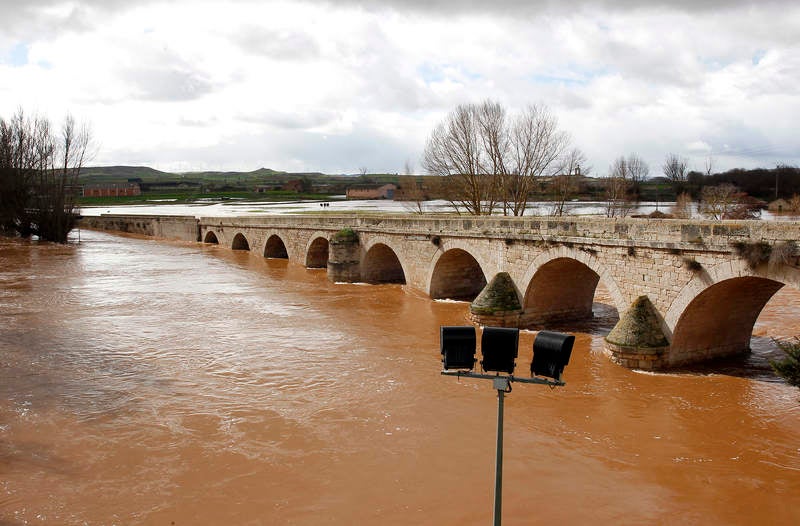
(233, 207)
(152, 382)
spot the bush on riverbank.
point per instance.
(789, 367)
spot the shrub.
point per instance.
(692, 264)
(346, 235)
(754, 253)
(782, 253)
(789, 367)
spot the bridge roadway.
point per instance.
(686, 290)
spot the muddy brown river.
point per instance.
(153, 382)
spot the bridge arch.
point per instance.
(211, 237)
(317, 251)
(381, 264)
(275, 248)
(719, 321)
(560, 285)
(240, 242)
(784, 274)
(715, 312)
(456, 274)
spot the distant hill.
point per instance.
(147, 175)
(115, 174)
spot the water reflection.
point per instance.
(151, 382)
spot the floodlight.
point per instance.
(551, 353)
(458, 347)
(499, 347)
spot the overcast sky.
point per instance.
(334, 86)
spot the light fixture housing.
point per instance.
(551, 353)
(458, 347)
(500, 347)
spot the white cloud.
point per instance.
(332, 86)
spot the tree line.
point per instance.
(39, 167)
(491, 161)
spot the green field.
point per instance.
(158, 186)
(155, 198)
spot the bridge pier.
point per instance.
(637, 341)
(344, 258)
(498, 303)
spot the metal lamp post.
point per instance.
(499, 346)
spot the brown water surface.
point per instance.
(146, 382)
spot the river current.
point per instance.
(155, 382)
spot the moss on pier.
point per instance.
(345, 236)
(499, 295)
(639, 327)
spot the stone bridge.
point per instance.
(685, 290)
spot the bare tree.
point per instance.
(794, 203)
(39, 175)
(709, 165)
(411, 193)
(633, 169)
(17, 168)
(408, 167)
(493, 131)
(638, 171)
(412, 190)
(536, 146)
(725, 201)
(616, 188)
(490, 160)
(619, 168)
(675, 169)
(564, 185)
(683, 206)
(616, 192)
(454, 151)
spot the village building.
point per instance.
(783, 205)
(111, 190)
(295, 185)
(374, 191)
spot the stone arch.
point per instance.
(240, 242)
(317, 251)
(381, 265)
(211, 237)
(275, 248)
(456, 274)
(560, 285)
(719, 321)
(725, 270)
(715, 312)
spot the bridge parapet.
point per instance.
(655, 233)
